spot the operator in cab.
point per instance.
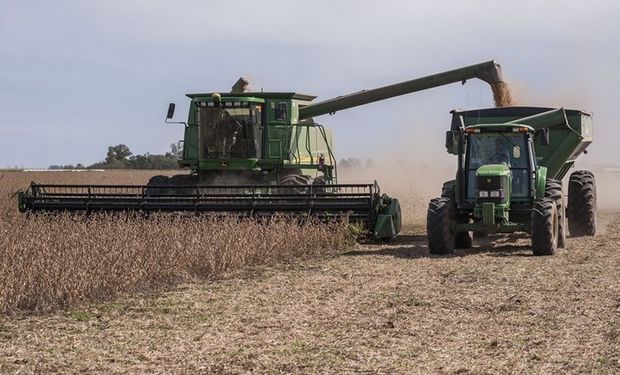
(501, 154)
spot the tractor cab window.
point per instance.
(509, 149)
(230, 132)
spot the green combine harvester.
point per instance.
(256, 154)
(511, 162)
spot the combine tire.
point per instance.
(441, 240)
(553, 190)
(298, 184)
(581, 204)
(544, 226)
(154, 181)
(318, 185)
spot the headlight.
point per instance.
(496, 193)
(483, 194)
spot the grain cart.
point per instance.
(511, 162)
(258, 153)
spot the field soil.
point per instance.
(388, 308)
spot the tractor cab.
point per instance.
(498, 163)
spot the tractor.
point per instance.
(511, 162)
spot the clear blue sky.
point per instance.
(77, 76)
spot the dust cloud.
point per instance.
(413, 184)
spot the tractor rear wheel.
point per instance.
(544, 226)
(553, 190)
(581, 204)
(441, 240)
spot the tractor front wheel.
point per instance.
(464, 240)
(553, 190)
(441, 240)
(544, 226)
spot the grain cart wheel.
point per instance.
(544, 226)
(553, 190)
(581, 208)
(441, 240)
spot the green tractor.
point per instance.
(511, 163)
(257, 154)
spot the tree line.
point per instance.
(121, 157)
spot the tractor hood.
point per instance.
(491, 170)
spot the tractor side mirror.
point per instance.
(452, 141)
(170, 111)
(544, 133)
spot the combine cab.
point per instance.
(257, 154)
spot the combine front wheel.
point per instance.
(441, 240)
(298, 184)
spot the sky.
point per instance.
(79, 76)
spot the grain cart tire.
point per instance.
(464, 240)
(581, 208)
(553, 190)
(441, 240)
(544, 227)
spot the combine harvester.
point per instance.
(256, 154)
(511, 162)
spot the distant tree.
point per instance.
(121, 157)
(67, 166)
(350, 163)
(176, 149)
(118, 153)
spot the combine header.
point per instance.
(256, 154)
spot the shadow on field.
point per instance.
(415, 246)
(500, 245)
(402, 246)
